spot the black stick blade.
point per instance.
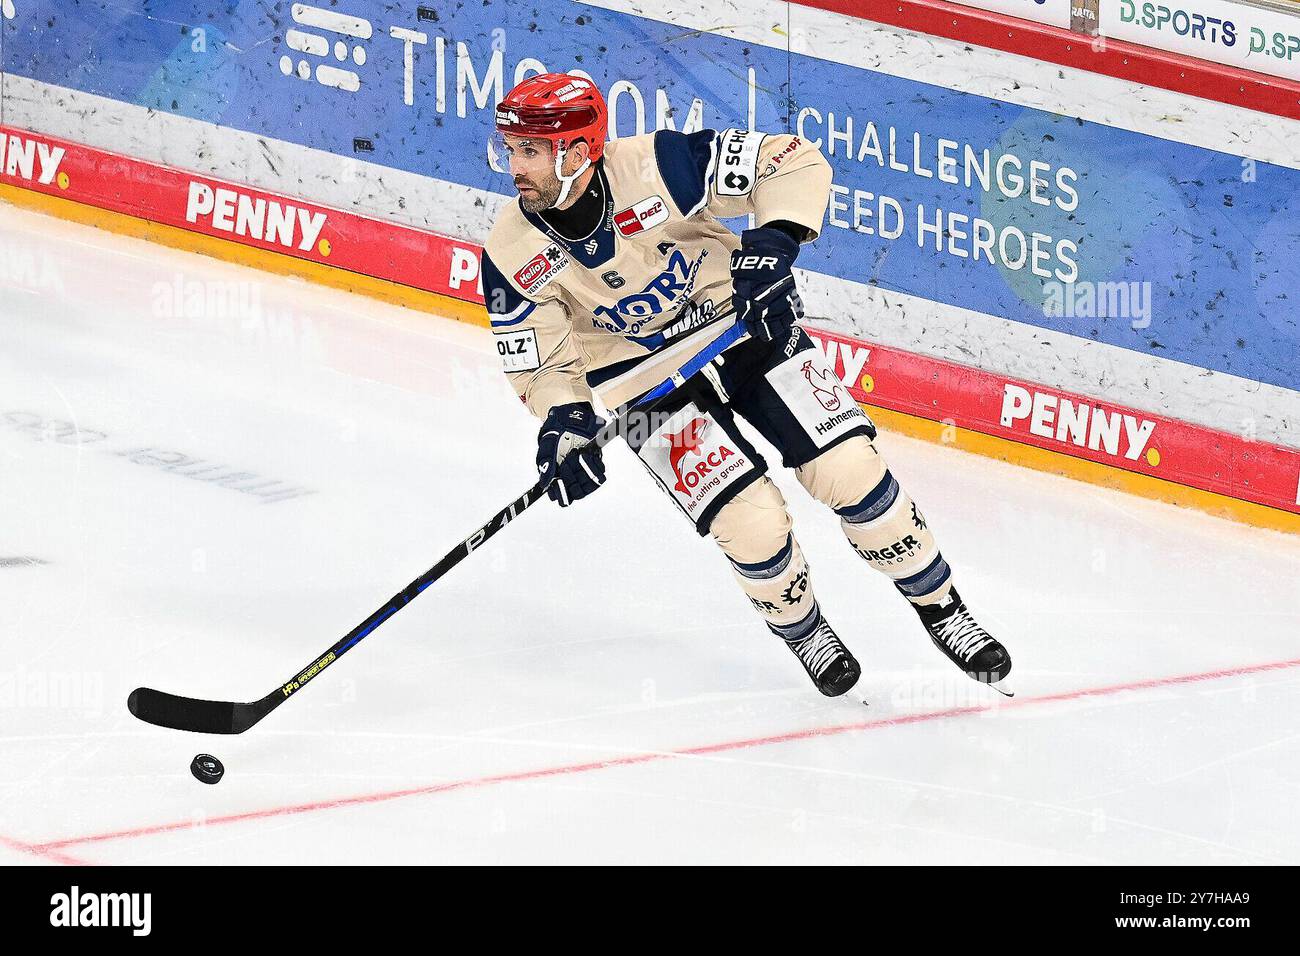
(186, 713)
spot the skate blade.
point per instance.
(1004, 687)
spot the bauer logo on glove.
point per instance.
(763, 290)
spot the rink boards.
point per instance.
(1012, 418)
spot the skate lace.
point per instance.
(965, 637)
(819, 649)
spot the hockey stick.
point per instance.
(229, 717)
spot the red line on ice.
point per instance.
(45, 851)
(633, 759)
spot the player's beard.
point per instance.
(541, 200)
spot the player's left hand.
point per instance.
(763, 291)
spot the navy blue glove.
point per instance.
(763, 291)
(566, 450)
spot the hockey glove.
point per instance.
(567, 455)
(763, 291)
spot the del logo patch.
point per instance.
(646, 214)
(541, 268)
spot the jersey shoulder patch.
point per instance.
(686, 162)
(737, 163)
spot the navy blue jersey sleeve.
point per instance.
(686, 162)
(506, 305)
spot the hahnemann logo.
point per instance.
(834, 420)
(825, 389)
(74, 909)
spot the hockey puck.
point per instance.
(206, 768)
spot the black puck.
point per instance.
(206, 768)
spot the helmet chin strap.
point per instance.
(566, 182)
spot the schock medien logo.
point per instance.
(75, 908)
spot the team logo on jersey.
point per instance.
(668, 290)
(644, 215)
(541, 269)
(826, 388)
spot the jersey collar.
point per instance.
(593, 250)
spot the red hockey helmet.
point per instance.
(557, 107)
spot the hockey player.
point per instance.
(612, 269)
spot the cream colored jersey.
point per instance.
(614, 312)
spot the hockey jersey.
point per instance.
(616, 311)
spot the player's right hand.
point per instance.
(567, 455)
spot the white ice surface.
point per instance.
(608, 632)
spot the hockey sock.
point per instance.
(890, 533)
(779, 587)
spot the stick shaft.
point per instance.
(502, 518)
